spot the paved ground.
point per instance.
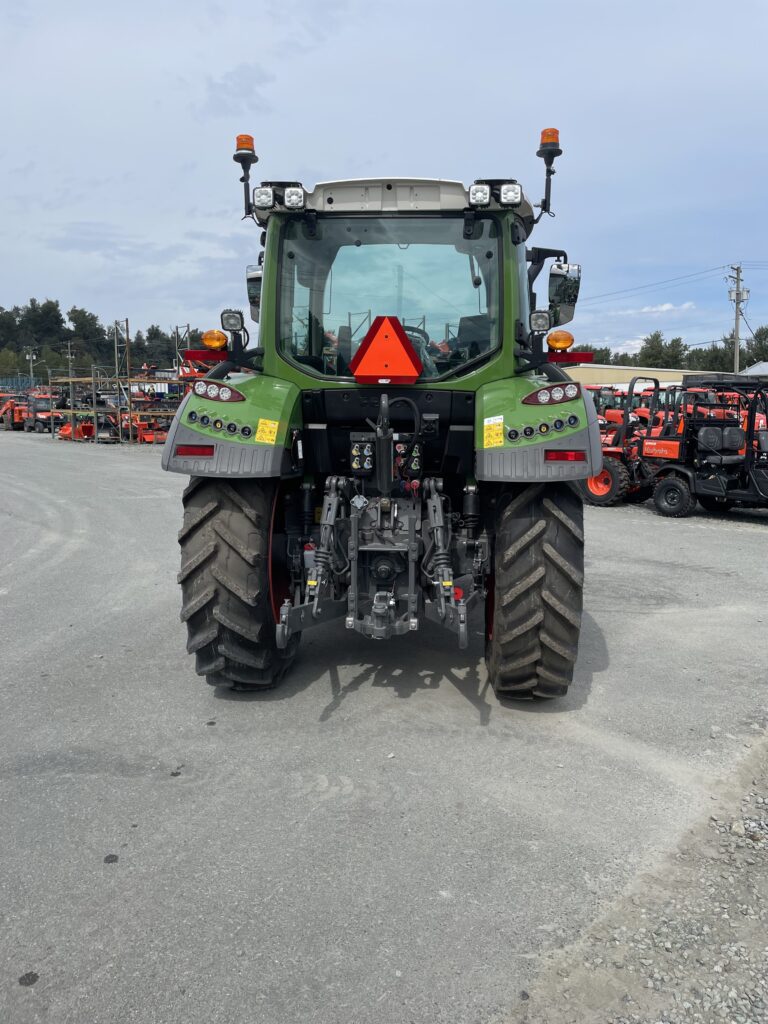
(377, 841)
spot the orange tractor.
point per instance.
(13, 409)
(629, 418)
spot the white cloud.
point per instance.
(663, 307)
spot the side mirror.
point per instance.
(564, 281)
(253, 276)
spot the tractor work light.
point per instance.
(511, 194)
(553, 395)
(232, 320)
(216, 340)
(294, 198)
(559, 341)
(217, 392)
(539, 321)
(479, 195)
(264, 197)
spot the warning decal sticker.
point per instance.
(266, 432)
(493, 432)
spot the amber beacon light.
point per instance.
(215, 340)
(559, 341)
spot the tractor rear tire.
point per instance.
(673, 498)
(534, 615)
(225, 583)
(714, 505)
(609, 486)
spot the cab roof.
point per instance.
(394, 195)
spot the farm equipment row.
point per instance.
(701, 442)
(83, 413)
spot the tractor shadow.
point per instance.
(428, 660)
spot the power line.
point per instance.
(654, 284)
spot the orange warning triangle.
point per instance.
(385, 356)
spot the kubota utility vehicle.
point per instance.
(399, 447)
(713, 447)
(41, 413)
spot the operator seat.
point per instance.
(720, 446)
(474, 334)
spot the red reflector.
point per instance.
(458, 593)
(204, 355)
(563, 455)
(571, 357)
(386, 355)
(203, 451)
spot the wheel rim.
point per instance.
(600, 484)
(673, 497)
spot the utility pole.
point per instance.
(71, 393)
(737, 295)
(117, 382)
(30, 359)
(128, 371)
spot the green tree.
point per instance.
(160, 349)
(652, 350)
(89, 336)
(624, 359)
(8, 362)
(9, 329)
(715, 358)
(757, 347)
(42, 323)
(602, 354)
(674, 354)
(53, 360)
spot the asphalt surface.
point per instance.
(377, 841)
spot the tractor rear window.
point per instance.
(443, 287)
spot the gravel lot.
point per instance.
(379, 840)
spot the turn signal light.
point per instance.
(560, 340)
(216, 340)
(564, 455)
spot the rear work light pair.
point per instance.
(293, 197)
(510, 194)
(553, 395)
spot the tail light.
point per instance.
(194, 451)
(553, 395)
(217, 392)
(564, 455)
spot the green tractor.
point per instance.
(401, 445)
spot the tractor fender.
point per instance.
(498, 407)
(269, 412)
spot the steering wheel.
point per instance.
(421, 341)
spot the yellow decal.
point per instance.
(493, 432)
(266, 432)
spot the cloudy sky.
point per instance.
(118, 191)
